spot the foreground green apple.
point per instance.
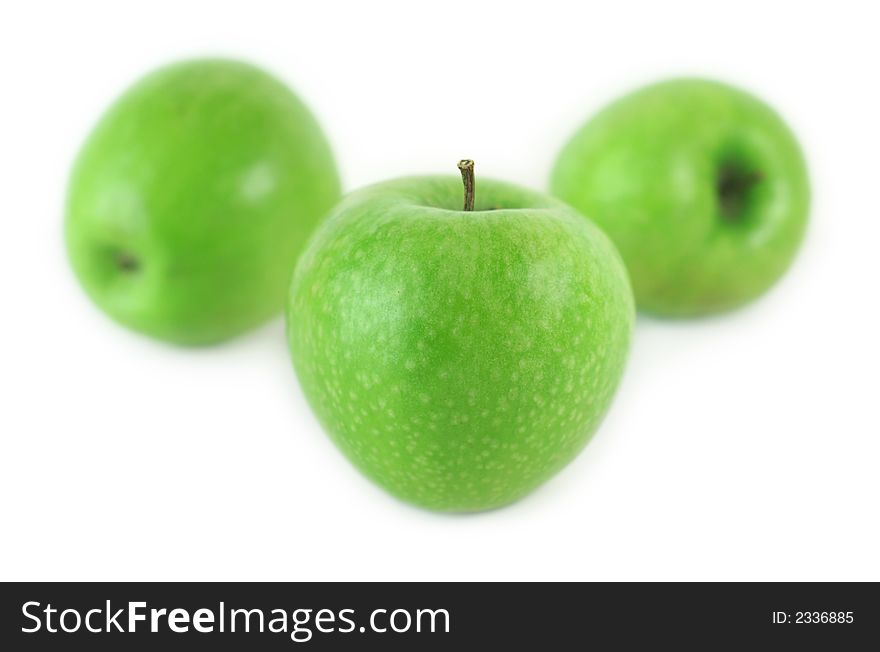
(192, 197)
(701, 186)
(459, 358)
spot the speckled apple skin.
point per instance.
(646, 170)
(459, 359)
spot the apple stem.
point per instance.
(467, 176)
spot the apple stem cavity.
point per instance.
(467, 176)
(125, 262)
(734, 185)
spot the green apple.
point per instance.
(192, 197)
(458, 357)
(702, 187)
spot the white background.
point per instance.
(741, 447)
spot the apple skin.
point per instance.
(702, 187)
(192, 197)
(458, 359)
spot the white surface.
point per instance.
(743, 447)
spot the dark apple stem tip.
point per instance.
(467, 176)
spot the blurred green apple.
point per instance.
(702, 187)
(192, 197)
(459, 358)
